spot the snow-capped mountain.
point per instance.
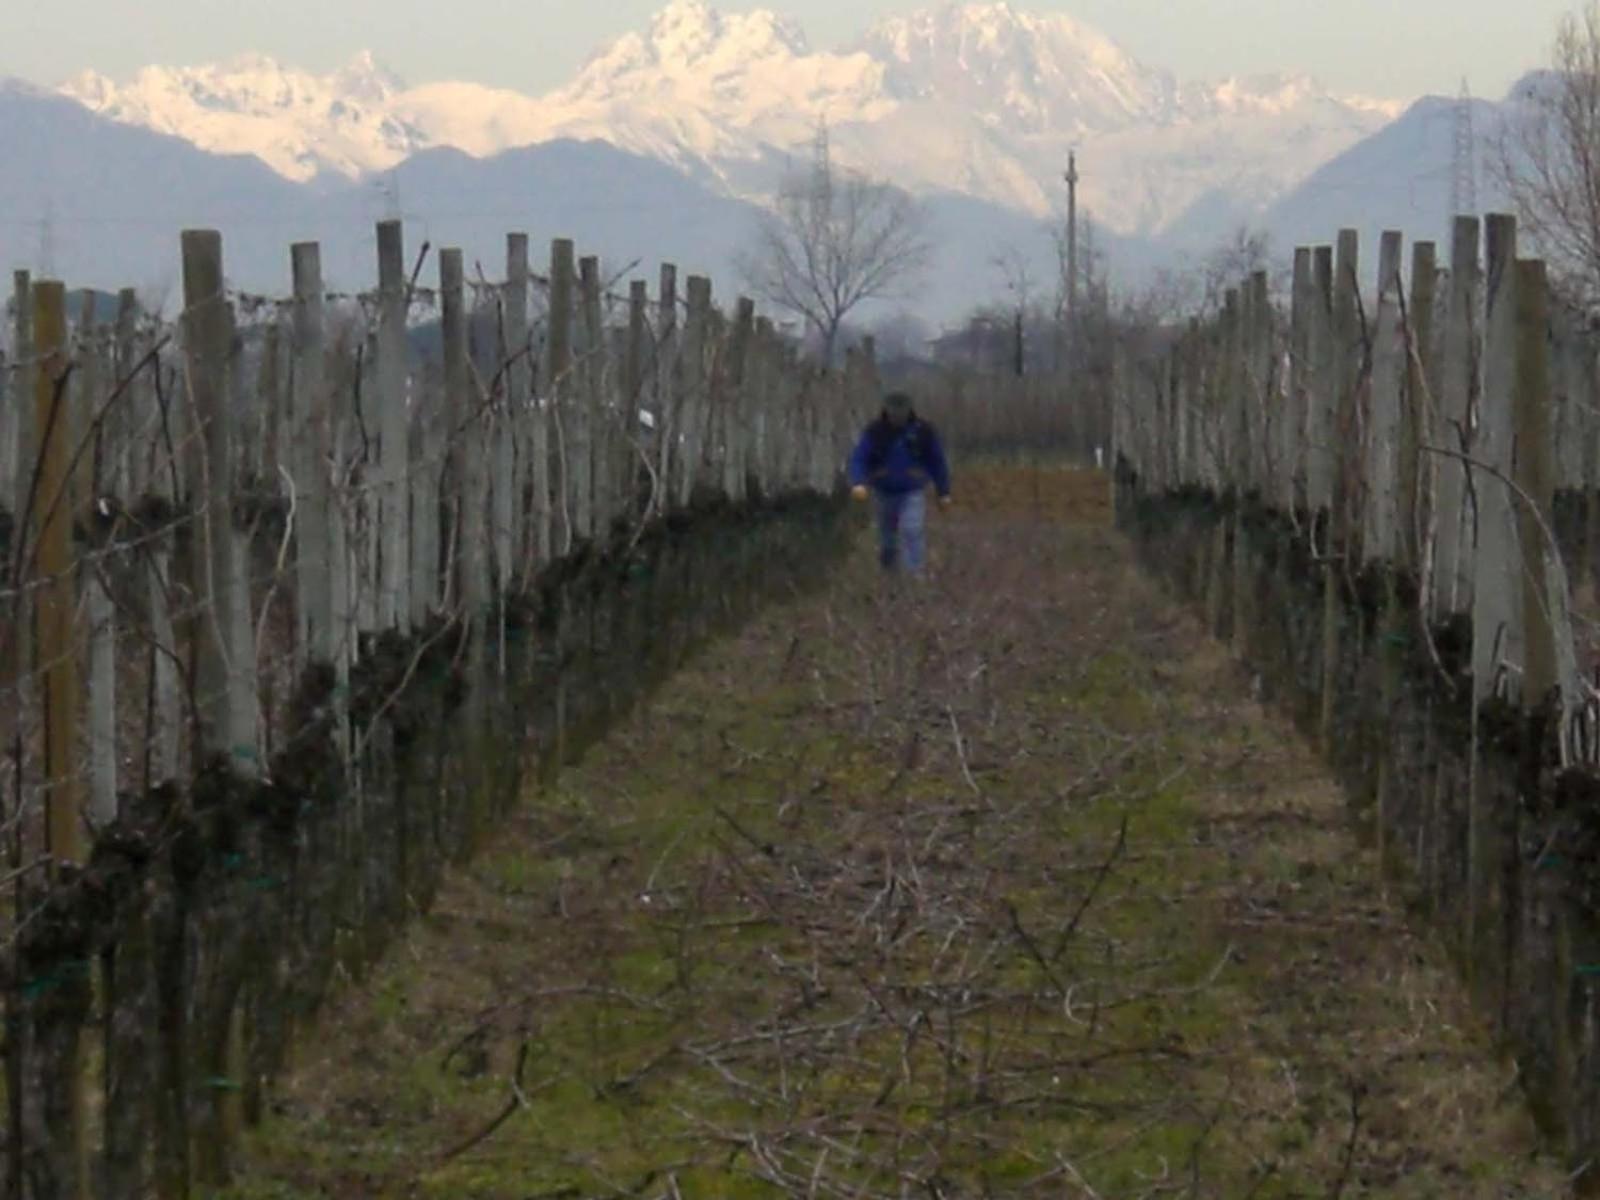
(297, 123)
(979, 99)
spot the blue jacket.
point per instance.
(900, 460)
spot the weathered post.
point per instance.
(1383, 427)
(1497, 587)
(636, 401)
(692, 401)
(593, 429)
(762, 418)
(1226, 430)
(1450, 430)
(510, 475)
(126, 419)
(92, 441)
(1321, 393)
(394, 450)
(56, 602)
(1348, 355)
(560, 385)
(540, 472)
(1417, 470)
(668, 385)
(1296, 423)
(465, 421)
(638, 331)
(735, 403)
(223, 727)
(1266, 410)
(1346, 359)
(1497, 593)
(55, 606)
(310, 454)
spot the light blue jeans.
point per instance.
(902, 524)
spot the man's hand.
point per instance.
(859, 492)
(945, 501)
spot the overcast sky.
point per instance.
(1393, 48)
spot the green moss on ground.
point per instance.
(990, 887)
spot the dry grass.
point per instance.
(992, 885)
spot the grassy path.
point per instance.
(994, 886)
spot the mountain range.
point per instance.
(980, 99)
(667, 140)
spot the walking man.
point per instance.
(897, 457)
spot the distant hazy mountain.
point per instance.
(979, 99)
(1398, 178)
(99, 203)
(103, 204)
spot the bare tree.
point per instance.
(1239, 255)
(1548, 155)
(834, 239)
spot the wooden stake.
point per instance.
(1382, 432)
(668, 386)
(57, 594)
(560, 390)
(692, 405)
(1497, 617)
(312, 458)
(510, 447)
(222, 727)
(1417, 468)
(390, 406)
(1456, 399)
(587, 454)
(463, 418)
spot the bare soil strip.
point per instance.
(996, 884)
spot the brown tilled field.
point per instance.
(994, 884)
